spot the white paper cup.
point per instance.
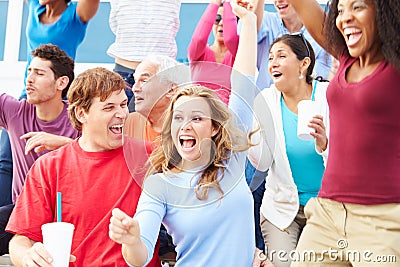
(306, 110)
(57, 240)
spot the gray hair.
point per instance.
(169, 69)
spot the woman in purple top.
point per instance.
(358, 205)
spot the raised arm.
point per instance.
(313, 18)
(231, 38)
(259, 11)
(203, 29)
(246, 57)
(244, 89)
(86, 9)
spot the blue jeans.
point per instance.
(127, 75)
(256, 181)
(5, 212)
(6, 169)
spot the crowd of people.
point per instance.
(202, 163)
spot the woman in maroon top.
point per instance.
(356, 212)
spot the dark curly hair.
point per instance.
(61, 63)
(387, 23)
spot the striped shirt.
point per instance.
(143, 27)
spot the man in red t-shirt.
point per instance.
(91, 173)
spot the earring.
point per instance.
(301, 76)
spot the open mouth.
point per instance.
(116, 129)
(187, 142)
(280, 7)
(352, 35)
(276, 74)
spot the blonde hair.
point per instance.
(227, 140)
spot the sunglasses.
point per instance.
(218, 18)
(301, 35)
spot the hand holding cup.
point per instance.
(37, 255)
(321, 139)
(306, 110)
(57, 242)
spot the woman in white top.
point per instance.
(295, 166)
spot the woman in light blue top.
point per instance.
(196, 186)
(295, 166)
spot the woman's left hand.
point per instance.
(321, 140)
(261, 260)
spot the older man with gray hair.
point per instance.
(157, 79)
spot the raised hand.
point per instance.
(247, 5)
(217, 2)
(123, 229)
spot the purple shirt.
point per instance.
(18, 118)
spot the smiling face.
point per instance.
(284, 67)
(192, 130)
(41, 85)
(102, 124)
(356, 22)
(285, 10)
(150, 90)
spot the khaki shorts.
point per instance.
(342, 234)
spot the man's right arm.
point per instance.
(259, 11)
(26, 252)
